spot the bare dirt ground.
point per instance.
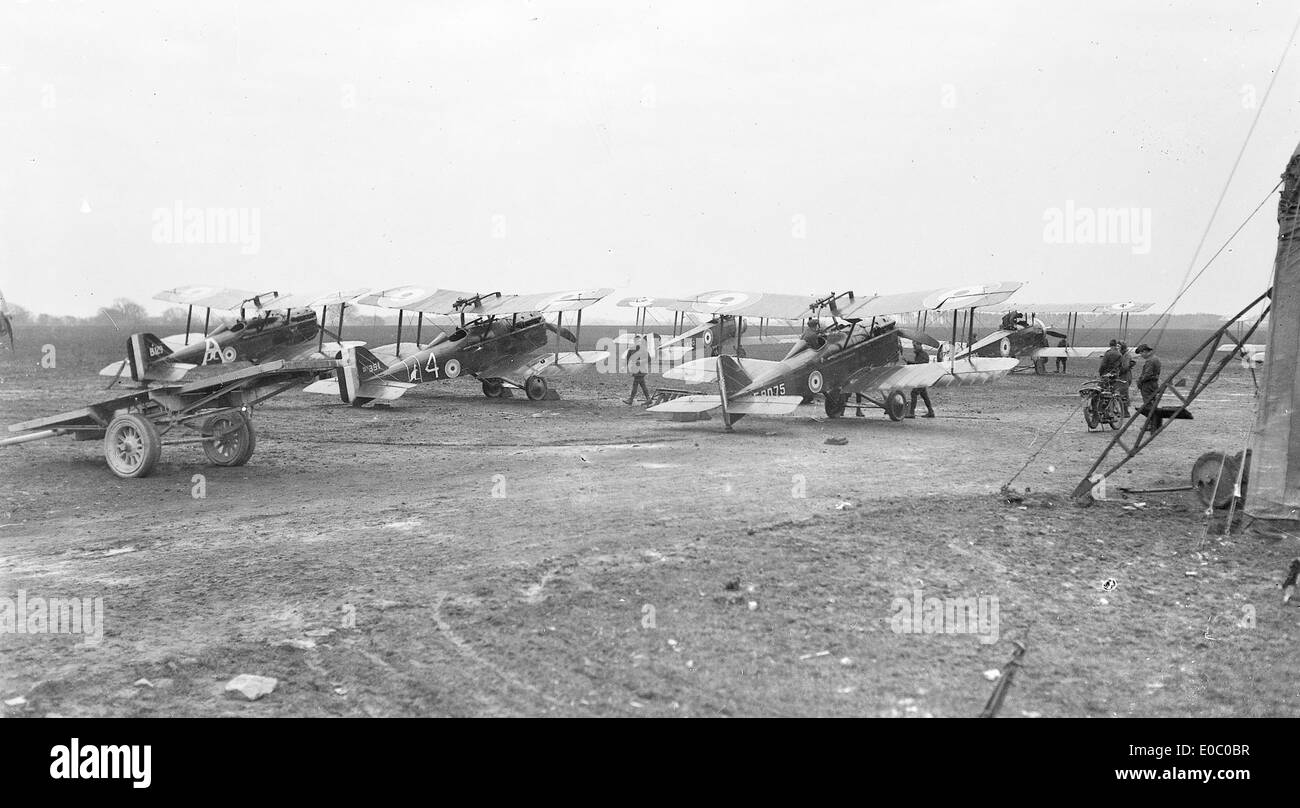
(456, 555)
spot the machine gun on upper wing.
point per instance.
(500, 340)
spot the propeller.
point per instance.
(921, 337)
(563, 332)
(1052, 332)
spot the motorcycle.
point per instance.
(1103, 404)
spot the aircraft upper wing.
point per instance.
(1079, 308)
(448, 302)
(416, 298)
(946, 299)
(544, 302)
(742, 304)
(301, 301)
(209, 297)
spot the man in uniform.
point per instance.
(638, 361)
(1060, 360)
(1125, 380)
(920, 357)
(1149, 383)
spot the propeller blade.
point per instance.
(563, 332)
(1052, 332)
(921, 337)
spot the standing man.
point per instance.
(1060, 360)
(637, 360)
(1149, 384)
(1110, 360)
(920, 357)
(1125, 380)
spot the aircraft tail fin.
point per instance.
(145, 355)
(732, 374)
(358, 379)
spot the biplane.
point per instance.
(279, 326)
(851, 347)
(1022, 335)
(500, 340)
(215, 412)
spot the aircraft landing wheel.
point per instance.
(232, 439)
(1214, 475)
(536, 388)
(835, 403)
(896, 406)
(132, 445)
(492, 388)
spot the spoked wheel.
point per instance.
(896, 406)
(1090, 414)
(1214, 475)
(536, 388)
(1116, 412)
(132, 445)
(229, 439)
(492, 388)
(835, 403)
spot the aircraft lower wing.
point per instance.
(705, 371)
(931, 374)
(746, 405)
(1068, 353)
(547, 364)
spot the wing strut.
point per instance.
(188, 314)
(419, 326)
(400, 312)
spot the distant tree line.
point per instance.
(122, 313)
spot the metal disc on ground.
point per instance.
(1214, 475)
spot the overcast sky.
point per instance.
(660, 148)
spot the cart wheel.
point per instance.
(1090, 415)
(835, 403)
(132, 445)
(1215, 488)
(492, 388)
(536, 388)
(896, 406)
(232, 439)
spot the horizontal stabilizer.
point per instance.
(168, 372)
(764, 405)
(178, 341)
(691, 403)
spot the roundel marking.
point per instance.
(708, 337)
(404, 294)
(452, 368)
(1005, 346)
(228, 354)
(815, 381)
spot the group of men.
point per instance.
(1118, 363)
